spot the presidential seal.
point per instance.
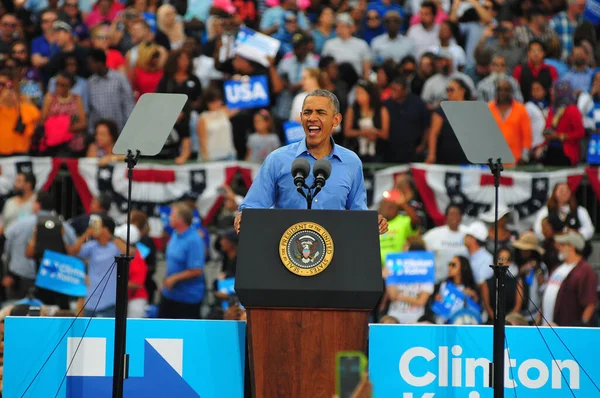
(306, 249)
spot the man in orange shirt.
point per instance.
(18, 118)
(513, 120)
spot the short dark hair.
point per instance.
(325, 61)
(97, 55)
(108, 223)
(105, 201)
(184, 212)
(453, 206)
(45, 201)
(431, 5)
(538, 42)
(409, 59)
(465, 87)
(66, 75)
(401, 81)
(29, 178)
(210, 95)
(333, 100)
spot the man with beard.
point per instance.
(580, 75)
(486, 89)
(434, 90)
(513, 120)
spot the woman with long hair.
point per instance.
(385, 75)
(63, 116)
(564, 127)
(563, 205)
(367, 122)
(443, 145)
(168, 23)
(324, 28)
(461, 276)
(179, 78)
(312, 79)
(148, 70)
(106, 133)
(215, 132)
(514, 287)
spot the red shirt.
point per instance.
(576, 292)
(137, 274)
(570, 124)
(145, 82)
(535, 71)
(114, 59)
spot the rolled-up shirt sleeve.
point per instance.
(262, 193)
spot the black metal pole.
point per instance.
(121, 363)
(497, 367)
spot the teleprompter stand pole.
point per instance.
(121, 359)
(497, 366)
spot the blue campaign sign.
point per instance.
(410, 268)
(434, 361)
(142, 249)
(168, 358)
(456, 306)
(61, 273)
(249, 92)
(227, 286)
(593, 155)
(294, 132)
(592, 11)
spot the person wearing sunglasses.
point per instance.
(43, 46)
(9, 25)
(461, 276)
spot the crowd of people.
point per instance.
(71, 73)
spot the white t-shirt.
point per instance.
(552, 288)
(405, 312)
(445, 244)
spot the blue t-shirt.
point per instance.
(100, 260)
(40, 45)
(185, 251)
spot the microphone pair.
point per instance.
(301, 170)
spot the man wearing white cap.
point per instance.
(479, 257)
(347, 48)
(570, 298)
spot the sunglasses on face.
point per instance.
(290, 21)
(450, 90)
(101, 37)
(48, 20)
(19, 52)
(9, 25)
(452, 264)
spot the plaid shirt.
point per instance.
(565, 29)
(110, 97)
(524, 34)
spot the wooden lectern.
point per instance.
(297, 324)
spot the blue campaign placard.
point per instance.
(142, 249)
(248, 92)
(592, 11)
(167, 358)
(294, 131)
(593, 153)
(410, 268)
(61, 273)
(227, 286)
(456, 306)
(437, 361)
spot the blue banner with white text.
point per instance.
(248, 92)
(592, 11)
(410, 267)
(62, 274)
(167, 358)
(455, 306)
(435, 361)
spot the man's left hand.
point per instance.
(383, 225)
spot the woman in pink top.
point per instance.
(103, 11)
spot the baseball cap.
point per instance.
(571, 238)
(134, 233)
(489, 216)
(61, 25)
(477, 230)
(345, 18)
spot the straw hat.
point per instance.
(528, 241)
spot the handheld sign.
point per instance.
(62, 274)
(250, 92)
(255, 46)
(294, 131)
(456, 306)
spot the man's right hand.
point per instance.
(237, 222)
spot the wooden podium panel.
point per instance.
(292, 351)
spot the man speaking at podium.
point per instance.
(345, 189)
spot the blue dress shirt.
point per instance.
(274, 185)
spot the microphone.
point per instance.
(321, 171)
(300, 170)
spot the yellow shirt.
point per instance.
(399, 228)
(12, 142)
